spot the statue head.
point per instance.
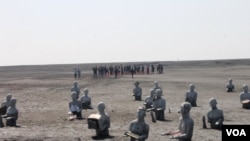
(86, 91)
(156, 83)
(101, 107)
(185, 108)
(75, 83)
(141, 113)
(158, 93)
(136, 83)
(12, 102)
(245, 88)
(191, 86)
(212, 102)
(74, 95)
(230, 80)
(8, 97)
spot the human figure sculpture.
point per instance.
(137, 91)
(103, 122)
(148, 103)
(75, 106)
(245, 97)
(186, 125)
(230, 86)
(4, 107)
(11, 114)
(191, 95)
(215, 116)
(159, 106)
(156, 86)
(86, 100)
(75, 88)
(138, 129)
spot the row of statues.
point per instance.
(9, 112)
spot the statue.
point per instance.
(215, 116)
(4, 107)
(100, 121)
(186, 126)
(230, 86)
(138, 129)
(75, 88)
(159, 106)
(245, 97)
(137, 91)
(11, 114)
(75, 106)
(191, 96)
(148, 103)
(86, 100)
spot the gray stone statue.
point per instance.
(245, 97)
(137, 91)
(215, 116)
(75, 106)
(104, 121)
(230, 86)
(11, 114)
(138, 129)
(75, 88)
(186, 126)
(191, 95)
(86, 100)
(148, 103)
(156, 86)
(4, 107)
(159, 106)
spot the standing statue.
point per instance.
(230, 86)
(137, 91)
(86, 100)
(100, 121)
(4, 107)
(186, 126)
(75, 88)
(215, 116)
(11, 114)
(245, 97)
(138, 129)
(148, 103)
(191, 96)
(75, 106)
(159, 106)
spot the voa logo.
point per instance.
(236, 132)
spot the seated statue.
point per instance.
(156, 86)
(101, 121)
(191, 96)
(245, 97)
(215, 116)
(75, 106)
(137, 91)
(159, 106)
(186, 126)
(86, 100)
(75, 88)
(230, 86)
(11, 114)
(4, 107)
(148, 103)
(138, 129)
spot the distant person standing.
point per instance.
(132, 71)
(152, 68)
(79, 73)
(75, 73)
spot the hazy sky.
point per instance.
(90, 31)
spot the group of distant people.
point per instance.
(117, 70)
(77, 73)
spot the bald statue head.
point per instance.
(12, 102)
(86, 91)
(74, 95)
(141, 113)
(101, 107)
(152, 92)
(158, 93)
(245, 88)
(185, 108)
(212, 102)
(191, 86)
(8, 97)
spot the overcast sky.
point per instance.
(90, 31)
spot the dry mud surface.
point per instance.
(43, 94)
